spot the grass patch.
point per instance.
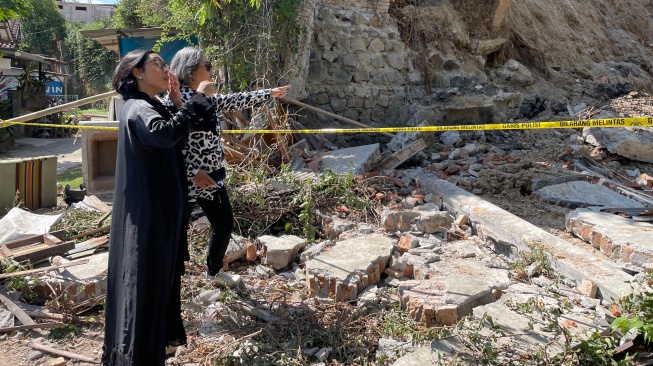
(72, 176)
(96, 111)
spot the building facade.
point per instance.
(84, 12)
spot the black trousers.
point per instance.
(221, 217)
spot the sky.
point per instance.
(103, 1)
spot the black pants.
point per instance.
(221, 217)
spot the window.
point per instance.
(82, 8)
(60, 6)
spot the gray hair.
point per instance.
(185, 62)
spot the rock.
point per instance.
(310, 351)
(323, 353)
(587, 288)
(237, 248)
(208, 297)
(263, 271)
(515, 74)
(533, 269)
(431, 219)
(390, 347)
(488, 46)
(34, 354)
(59, 361)
(280, 251)
(450, 137)
(635, 143)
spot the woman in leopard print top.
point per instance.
(204, 154)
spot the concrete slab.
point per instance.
(97, 266)
(357, 160)
(582, 194)
(621, 239)
(447, 290)
(280, 251)
(508, 232)
(349, 267)
(420, 356)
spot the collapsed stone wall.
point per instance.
(469, 61)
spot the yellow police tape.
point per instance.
(607, 122)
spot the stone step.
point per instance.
(624, 240)
(510, 234)
(345, 270)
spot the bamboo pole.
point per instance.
(329, 114)
(63, 107)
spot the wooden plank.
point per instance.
(67, 354)
(90, 244)
(32, 326)
(18, 312)
(44, 269)
(329, 114)
(500, 13)
(279, 138)
(42, 251)
(25, 241)
(399, 157)
(51, 240)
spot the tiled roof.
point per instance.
(12, 36)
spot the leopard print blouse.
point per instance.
(204, 148)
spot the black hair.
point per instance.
(124, 81)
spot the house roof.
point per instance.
(108, 38)
(10, 34)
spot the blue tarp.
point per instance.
(167, 51)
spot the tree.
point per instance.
(13, 9)
(126, 15)
(92, 65)
(43, 28)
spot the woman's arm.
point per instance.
(238, 101)
(154, 130)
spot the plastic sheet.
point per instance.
(18, 224)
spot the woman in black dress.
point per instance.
(142, 307)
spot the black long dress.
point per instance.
(142, 307)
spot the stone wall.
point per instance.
(362, 70)
(379, 7)
(356, 69)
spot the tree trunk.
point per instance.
(296, 64)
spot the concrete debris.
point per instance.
(280, 251)
(357, 160)
(339, 275)
(632, 142)
(582, 194)
(623, 240)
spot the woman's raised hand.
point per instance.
(206, 87)
(280, 92)
(173, 90)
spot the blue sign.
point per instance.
(54, 88)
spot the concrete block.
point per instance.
(280, 251)
(99, 153)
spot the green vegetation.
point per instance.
(71, 176)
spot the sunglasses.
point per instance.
(208, 66)
(159, 63)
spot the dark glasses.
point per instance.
(208, 66)
(159, 63)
